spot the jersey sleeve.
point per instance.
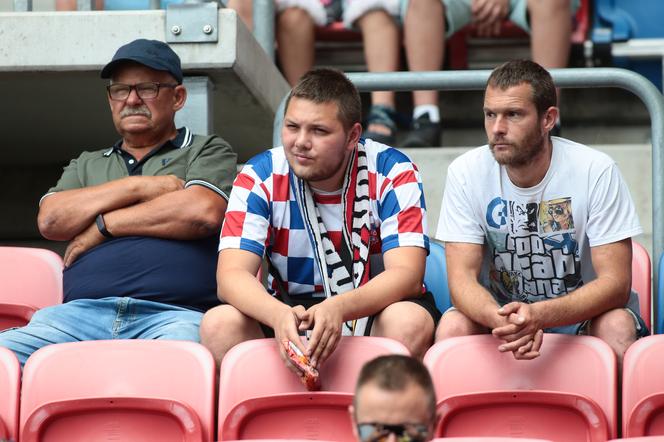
(457, 221)
(612, 216)
(401, 206)
(247, 219)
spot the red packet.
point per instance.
(308, 374)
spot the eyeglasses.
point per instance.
(556, 210)
(378, 432)
(146, 91)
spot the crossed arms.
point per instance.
(157, 206)
(521, 325)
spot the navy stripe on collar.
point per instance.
(183, 139)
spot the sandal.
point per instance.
(383, 116)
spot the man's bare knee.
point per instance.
(454, 323)
(615, 327)
(225, 326)
(408, 323)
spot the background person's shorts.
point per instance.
(458, 15)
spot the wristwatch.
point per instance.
(101, 225)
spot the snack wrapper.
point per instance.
(309, 376)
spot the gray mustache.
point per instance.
(138, 110)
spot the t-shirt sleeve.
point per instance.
(247, 218)
(457, 221)
(213, 166)
(401, 205)
(612, 216)
(70, 179)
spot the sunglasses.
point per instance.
(378, 432)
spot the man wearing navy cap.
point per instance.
(142, 217)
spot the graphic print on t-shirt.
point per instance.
(534, 248)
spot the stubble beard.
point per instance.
(522, 153)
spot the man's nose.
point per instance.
(133, 97)
(499, 125)
(303, 140)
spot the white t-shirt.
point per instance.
(538, 238)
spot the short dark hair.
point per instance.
(325, 85)
(516, 72)
(395, 373)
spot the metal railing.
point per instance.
(564, 78)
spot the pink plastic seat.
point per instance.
(643, 388)
(641, 280)
(488, 439)
(30, 279)
(10, 386)
(640, 439)
(254, 384)
(568, 393)
(119, 390)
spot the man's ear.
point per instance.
(351, 411)
(550, 118)
(180, 94)
(354, 135)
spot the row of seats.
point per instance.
(31, 279)
(165, 390)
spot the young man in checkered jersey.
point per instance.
(320, 205)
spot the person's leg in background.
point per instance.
(382, 43)
(424, 37)
(296, 35)
(550, 35)
(243, 9)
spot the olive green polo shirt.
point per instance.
(198, 160)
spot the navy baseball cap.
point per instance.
(151, 53)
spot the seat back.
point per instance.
(659, 317)
(470, 371)
(124, 389)
(10, 386)
(254, 369)
(30, 279)
(643, 388)
(435, 276)
(641, 280)
(487, 439)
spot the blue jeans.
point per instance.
(107, 318)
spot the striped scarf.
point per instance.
(355, 234)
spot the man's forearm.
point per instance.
(246, 293)
(475, 301)
(392, 285)
(191, 213)
(65, 214)
(592, 299)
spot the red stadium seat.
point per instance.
(641, 280)
(256, 387)
(487, 439)
(119, 390)
(643, 388)
(10, 386)
(640, 439)
(567, 393)
(30, 279)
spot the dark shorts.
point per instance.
(425, 301)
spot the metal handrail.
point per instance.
(564, 78)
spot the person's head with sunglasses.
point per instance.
(394, 401)
(144, 93)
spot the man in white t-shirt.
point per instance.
(537, 229)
